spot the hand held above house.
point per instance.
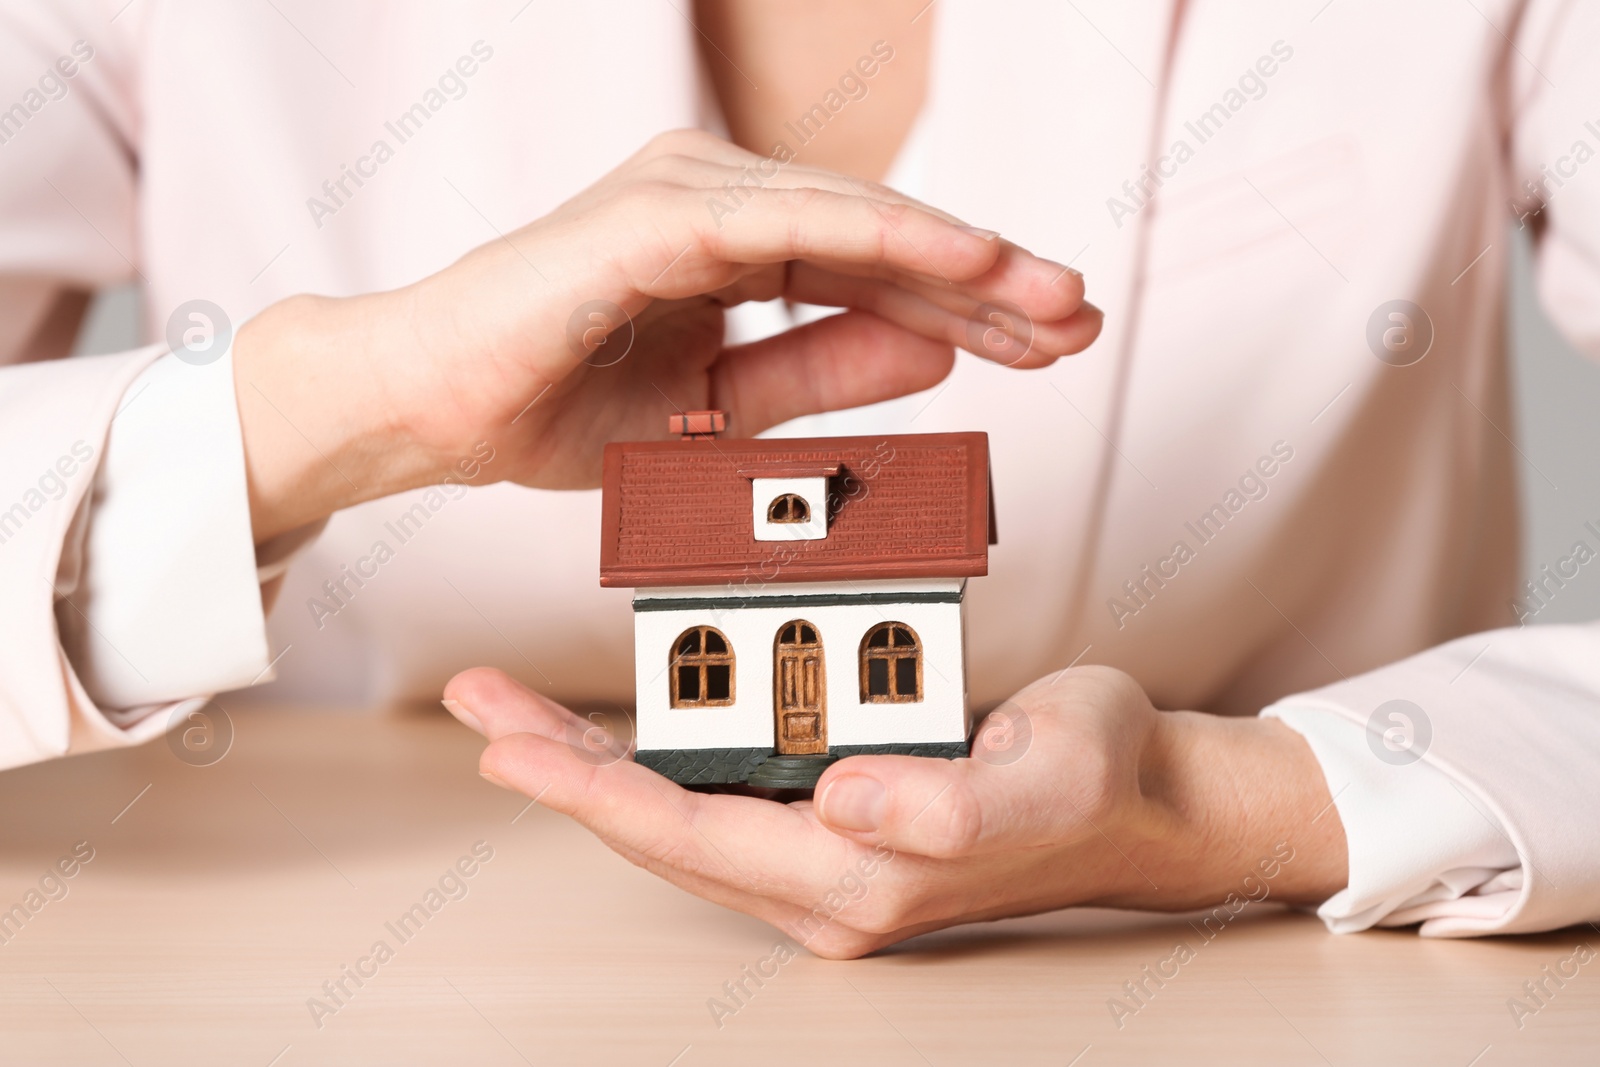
(574, 331)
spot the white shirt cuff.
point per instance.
(1421, 848)
(163, 598)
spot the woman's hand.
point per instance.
(594, 322)
(1078, 792)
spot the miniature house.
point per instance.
(796, 601)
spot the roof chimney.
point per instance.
(698, 425)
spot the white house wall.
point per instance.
(752, 632)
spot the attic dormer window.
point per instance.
(790, 503)
(790, 508)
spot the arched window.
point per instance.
(891, 665)
(790, 507)
(701, 669)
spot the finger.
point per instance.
(948, 313)
(819, 925)
(754, 284)
(496, 704)
(842, 361)
(714, 887)
(942, 808)
(1050, 297)
(775, 225)
(709, 163)
(810, 284)
(750, 845)
(698, 163)
(691, 145)
(733, 175)
(996, 333)
(826, 926)
(1045, 289)
(719, 891)
(943, 319)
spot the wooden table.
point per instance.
(221, 898)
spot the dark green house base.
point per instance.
(722, 766)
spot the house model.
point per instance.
(796, 601)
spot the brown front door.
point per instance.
(799, 698)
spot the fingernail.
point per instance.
(987, 235)
(492, 780)
(456, 708)
(854, 802)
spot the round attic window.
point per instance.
(790, 507)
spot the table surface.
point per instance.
(221, 898)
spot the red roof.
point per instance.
(902, 506)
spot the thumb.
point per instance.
(936, 807)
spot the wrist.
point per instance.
(1236, 806)
(320, 434)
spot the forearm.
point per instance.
(345, 400)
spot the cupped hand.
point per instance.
(594, 322)
(1078, 792)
